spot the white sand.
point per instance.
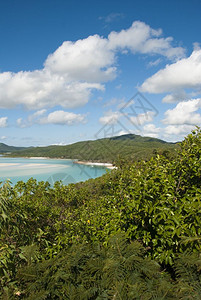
(36, 166)
(38, 157)
(19, 169)
(8, 164)
(30, 165)
(88, 163)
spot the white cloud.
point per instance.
(178, 130)
(118, 102)
(143, 118)
(31, 119)
(111, 102)
(184, 113)
(122, 103)
(39, 89)
(3, 137)
(3, 122)
(36, 115)
(61, 117)
(141, 38)
(89, 59)
(110, 118)
(58, 117)
(123, 132)
(76, 68)
(151, 130)
(92, 59)
(176, 97)
(184, 74)
(175, 133)
(59, 144)
(20, 123)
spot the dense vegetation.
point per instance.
(133, 233)
(5, 148)
(107, 149)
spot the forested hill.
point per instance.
(5, 148)
(106, 149)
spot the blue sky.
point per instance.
(80, 70)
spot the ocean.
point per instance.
(51, 170)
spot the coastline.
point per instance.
(75, 161)
(38, 157)
(97, 164)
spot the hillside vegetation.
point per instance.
(5, 148)
(108, 149)
(133, 233)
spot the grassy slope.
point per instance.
(108, 149)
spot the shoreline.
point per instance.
(96, 164)
(109, 166)
(38, 157)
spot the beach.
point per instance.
(98, 164)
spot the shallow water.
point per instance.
(50, 170)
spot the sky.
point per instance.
(82, 70)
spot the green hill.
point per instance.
(106, 150)
(5, 148)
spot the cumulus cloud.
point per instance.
(58, 117)
(147, 130)
(31, 119)
(151, 130)
(143, 118)
(75, 69)
(110, 118)
(61, 117)
(39, 89)
(184, 74)
(184, 113)
(175, 133)
(3, 122)
(181, 130)
(89, 59)
(141, 38)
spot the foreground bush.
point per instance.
(118, 271)
(57, 243)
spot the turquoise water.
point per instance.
(50, 170)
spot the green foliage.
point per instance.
(188, 271)
(90, 271)
(119, 270)
(5, 148)
(133, 233)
